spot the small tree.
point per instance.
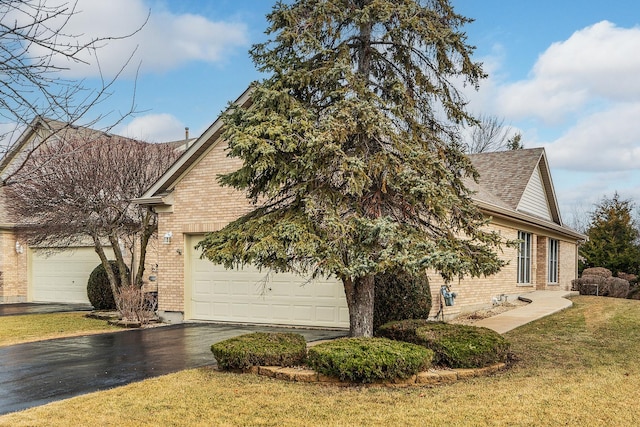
(351, 151)
(85, 192)
(490, 134)
(613, 237)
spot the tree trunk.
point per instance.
(105, 263)
(122, 265)
(360, 298)
(149, 227)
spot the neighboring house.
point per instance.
(39, 274)
(515, 190)
(45, 274)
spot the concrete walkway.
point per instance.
(543, 303)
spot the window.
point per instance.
(524, 257)
(554, 247)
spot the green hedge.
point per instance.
(368, 359)
(99, 290)
(455, 346)
(260, 349)
(400, 295)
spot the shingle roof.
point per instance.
(504, 175)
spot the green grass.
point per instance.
(36, 327)
(578, 367)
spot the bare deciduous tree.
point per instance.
(33, 45)
(491, 134)
(86, 194)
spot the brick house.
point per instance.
(44, 274)
(39, 274)
(515, 190)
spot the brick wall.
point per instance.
(200, 205)
(13, 280)
(541, 262)
(475, 293)
(567, 265)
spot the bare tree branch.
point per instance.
(491, 134)
(85, 195)
(33, 40)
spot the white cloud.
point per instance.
(581, 195)
(602, 141)
(599, 62)
(165, 42)
(154, 128)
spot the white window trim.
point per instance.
(524, 258)
(553, 261)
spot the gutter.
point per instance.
(515, 215)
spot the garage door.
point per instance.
(252, 296)
(62, 276)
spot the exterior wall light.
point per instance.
(167, 237)
(19, 248)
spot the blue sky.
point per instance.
(564, 73)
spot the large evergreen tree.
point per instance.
(350, 149)
(613, 237)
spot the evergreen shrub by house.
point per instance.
(366, 360)
(260, 349)
(99, 289)
(455, 346)
(399, 296)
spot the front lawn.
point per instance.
(36, 327)
(578, 367)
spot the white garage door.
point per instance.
(62, 276)
(251, 296)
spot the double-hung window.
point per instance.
(554, 248)
(524, 257)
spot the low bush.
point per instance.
(366, 360)
(597, 271)
(260, 349)
(598, 285)
(135, 305)
(455, 346)
(400, 295)
(99, 290)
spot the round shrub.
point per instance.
(455, 346)
(99, 289)
(400, 295)
(260, 349)
(365, 360)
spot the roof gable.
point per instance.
(519, 180)
(192, 155)
(534, 198)
(42, 130)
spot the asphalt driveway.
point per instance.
(39, 308)
(37, 373)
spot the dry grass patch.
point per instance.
(36, 327)
(566, 374)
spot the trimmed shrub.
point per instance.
(366, 360)
(99, 289)
(597, 271)
(634, 292)
(400, 295)
(631, 278)
(615, 287)
(455, 346)
(260, 349)
(603, 286)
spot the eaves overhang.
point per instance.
(497, 211)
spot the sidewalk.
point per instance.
(543, 303)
